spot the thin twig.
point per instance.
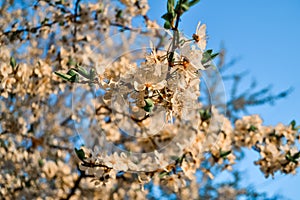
(75, 187)
(75, 24)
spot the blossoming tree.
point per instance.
(93, 106)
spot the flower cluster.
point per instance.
(70, 73)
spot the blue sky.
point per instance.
(265, 35)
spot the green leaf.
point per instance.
(252, 128)
(168, 17)
(80, 154)
(13, 62)
(179, 160)
(71, 62)
(205, 114)
(224, 154)
(214, 55)
(293, 124)
(288, 156)
(149, 105)
(162, 174)
(92, 74)
(208, 56)
(72, 72)
(41, 163)
(205, 57)
(74, 78)
(185, 7)
(65, 77)
(45, 21)
(71, 76)
(74, 75)
(193, 2)
(167, 25)
(119, 14)
(170, 6)
(209, 51)
(82, 72)
(291, 158)
(297, 155)
(174, 157)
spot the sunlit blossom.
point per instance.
(200, 36)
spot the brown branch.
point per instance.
(65, 121)
(75, 24)
(62, 9)
(60, 147)
(29, 29)
(87, 164)
(127, 27)
(75, 187)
